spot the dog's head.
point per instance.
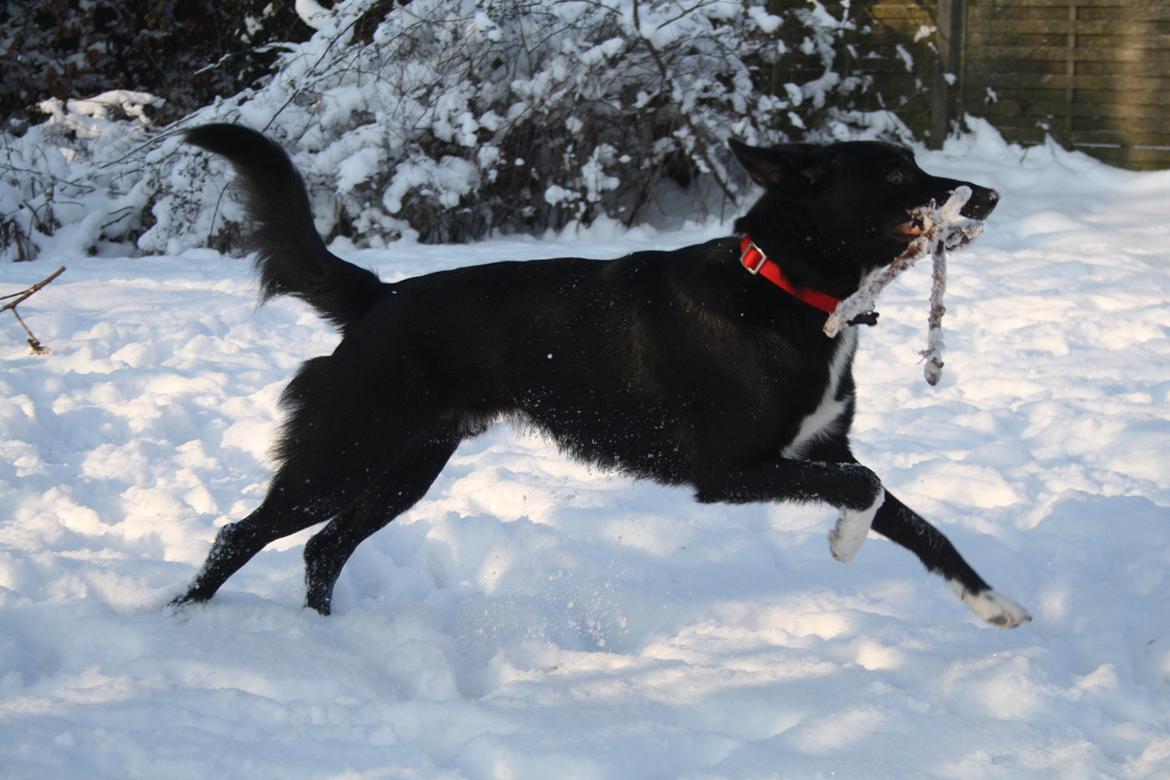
(832, 213)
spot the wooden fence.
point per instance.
(1093, 74)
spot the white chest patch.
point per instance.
(826, 418)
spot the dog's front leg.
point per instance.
(850, 487)
(853, 525)
(858, 494)
(904, 526)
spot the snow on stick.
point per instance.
(934, 338)
(942, 228)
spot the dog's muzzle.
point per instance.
(981, 203)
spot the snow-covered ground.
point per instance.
(532, 618)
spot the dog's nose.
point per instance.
(982, 202)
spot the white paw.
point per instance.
(995, 608)
(846, 538)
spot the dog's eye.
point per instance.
(896, 177)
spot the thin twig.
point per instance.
(20, 297)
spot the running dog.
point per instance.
(703, 366)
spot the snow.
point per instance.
(311, 13)
(532, 618)
(766, 21)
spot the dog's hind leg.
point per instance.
(403, 484)
(320, 473)
(902, 525)
(285, 510)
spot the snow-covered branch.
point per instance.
(446, 121)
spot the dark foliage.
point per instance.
(188, 52)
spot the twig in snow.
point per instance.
(20, 297)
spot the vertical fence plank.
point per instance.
(1092, 74)
(947, 89)
(1070, 71)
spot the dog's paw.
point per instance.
(995, 608)
(846, 538)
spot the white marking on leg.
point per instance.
(995, 608)
(852, 527)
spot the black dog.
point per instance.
(704, 366)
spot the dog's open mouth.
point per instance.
(911, 229)
(922, 221)
(916, 227)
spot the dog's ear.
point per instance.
(789, 167)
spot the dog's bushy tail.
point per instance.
(291, 256)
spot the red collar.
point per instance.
(759, 264)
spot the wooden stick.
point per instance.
(934, 335)
(943, 227)
(20, 297)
